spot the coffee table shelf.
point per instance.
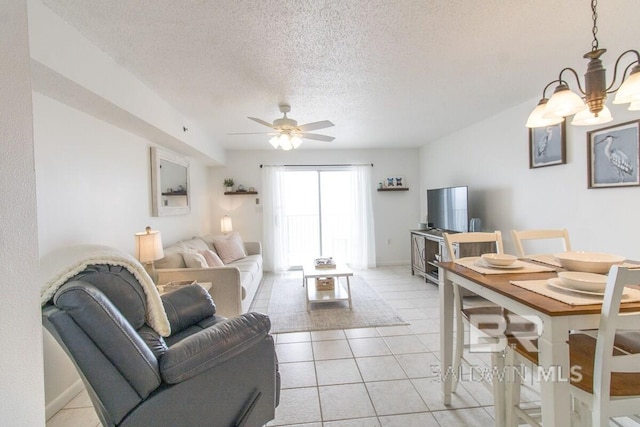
(341, 291)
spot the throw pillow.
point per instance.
(194, 260)
(212, 258)
(230, 248)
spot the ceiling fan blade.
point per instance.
(316, 125)
(318, 137)
(254, 133)
(262, 122)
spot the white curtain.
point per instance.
(273, 216)
(363, 251)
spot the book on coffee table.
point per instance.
(326, 262)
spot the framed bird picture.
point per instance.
(547, 146)
(612, 155)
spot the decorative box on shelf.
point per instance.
(325, 284)
(324, 263)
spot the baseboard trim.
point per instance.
(393, 263)
(63, 399)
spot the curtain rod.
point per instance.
(306, 166)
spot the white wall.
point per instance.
(394, 213)
(22, 396)
(492, 158)
(94, 186)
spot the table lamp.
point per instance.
(149, 249)
(225, 224)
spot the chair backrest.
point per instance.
(98, 318)
(612, 320)
(475, 237)
(520, 235)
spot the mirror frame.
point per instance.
(158, 208)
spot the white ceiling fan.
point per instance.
(286, 132)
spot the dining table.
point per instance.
(557, 319)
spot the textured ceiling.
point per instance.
(394, 73)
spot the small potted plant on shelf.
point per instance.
(228, 182)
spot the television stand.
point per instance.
(428, 248)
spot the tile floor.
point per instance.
(383, 376)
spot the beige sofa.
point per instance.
(233, 286)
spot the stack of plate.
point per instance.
(580, 282)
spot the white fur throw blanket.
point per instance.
(62, 264)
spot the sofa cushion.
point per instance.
(230, 248)
(196, 243)
(194, 259)
(208, 240)
(212, 258)
(172, 257)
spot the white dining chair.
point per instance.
(482, 313)
(519, 236)
(610, 362)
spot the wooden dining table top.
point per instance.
(501, 283)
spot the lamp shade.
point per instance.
(226, 226)
(148, 246)
(587, 118)
(630, 89)
(536, 120)
(563, 103)
(634, 106)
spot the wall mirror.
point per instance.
(170, 186)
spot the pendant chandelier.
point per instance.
(589, 107)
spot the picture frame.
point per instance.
(396, 181)
(547, 146)
(613, 156)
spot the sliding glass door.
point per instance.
(318, 211)
(317, 215)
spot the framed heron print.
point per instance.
(547, 146)
(613, 155)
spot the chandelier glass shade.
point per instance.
(589, 104)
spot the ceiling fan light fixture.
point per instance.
(296, 141)
(285, 143)
(587, 118)
(274, 142)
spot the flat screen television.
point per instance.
(447, 208)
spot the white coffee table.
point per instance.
(340, 292)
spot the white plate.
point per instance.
(583, 281)
(485, 264)
(557, 283)
(590, 262)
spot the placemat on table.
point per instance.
(477, 264)
(572, 298)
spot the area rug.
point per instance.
(288, 309)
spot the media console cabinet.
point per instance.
(428, 248)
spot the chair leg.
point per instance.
(512, 394)
(498, 383)
(459, 348)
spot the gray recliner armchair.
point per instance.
(210, 371)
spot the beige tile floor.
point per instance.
(372, 377)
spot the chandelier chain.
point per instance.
(594, 31)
